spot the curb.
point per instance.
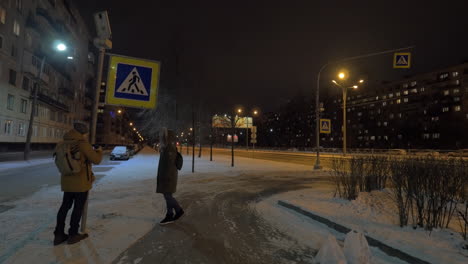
(342, 229)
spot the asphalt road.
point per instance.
(21, 182)
(221, 226)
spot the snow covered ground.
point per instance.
(375, 215)
(124, 207)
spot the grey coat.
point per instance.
(166, 181)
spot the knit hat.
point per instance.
(81, 127)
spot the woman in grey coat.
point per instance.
(167, 176)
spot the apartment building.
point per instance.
(30, 31)
(428, 110)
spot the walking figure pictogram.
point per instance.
(133, 82)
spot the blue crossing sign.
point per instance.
(402, 60)
(325, 126)
(132, 82)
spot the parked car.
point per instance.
(120, 152)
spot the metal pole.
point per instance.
(345, 92)
(193, 140)
(233, 125)
(97, 94)
(27, 147)
(211, 141)
(247, 135)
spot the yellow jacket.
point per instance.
(82, 181)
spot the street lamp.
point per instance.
(27, 147)
(134, 129)
(61, 47)
(119, 111)
(345, 96)
(131, 124)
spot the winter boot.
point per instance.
(167, 220)
(179, 214)
(76, 238)
(59, 238)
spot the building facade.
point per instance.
(428, 110)
(30, 31)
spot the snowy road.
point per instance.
(222, 226)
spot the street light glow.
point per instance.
(333, 81)
(239, 110)
(61, 47)
(361, 81)
(255, 112)
(341, 75)
(131, 124)
(134, 129)
(70, 57)
(355, 86)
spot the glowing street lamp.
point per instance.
(119, 111)
(134, 129)
(341, 75)
(131, 124)
(61, 47)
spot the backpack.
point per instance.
(179, 162)
(67, 157)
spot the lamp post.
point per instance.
(317, 165)
(254, 113)
(343, 76)
(61, 47)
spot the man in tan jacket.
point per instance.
(76, 186)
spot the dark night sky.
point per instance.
(264, 52)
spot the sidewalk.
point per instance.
(13, 160)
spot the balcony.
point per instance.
(41, 96)
(31, 66)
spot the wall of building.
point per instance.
(29, 31)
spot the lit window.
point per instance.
(435, 118)
(384, 103)
(8, 127)
(390, 95)
(405, 100)
(21, 129)
(2, 15)
(16, 28)
(456, 99)
(372, 137)
(413, 83)
(376, 98)
(398, 101)
(398, 94)
(422, 89)
(414, 90)
(454, 74)
(456, 91)
(457, 82)
(457, 108)
(400, 136)
(400, 115)
(443, 76)
(405, 92)
(385, 123)
(405, 85)
(10, 102)
(436, 135)
(426, 136)
(359, 114)
(445, 109)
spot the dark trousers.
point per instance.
(172, 204)
(77, 200)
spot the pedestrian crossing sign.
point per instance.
(132, 82)
(401, 60)
(325, 126)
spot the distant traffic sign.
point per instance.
(402, 60)
(132, 82)
(325, 126)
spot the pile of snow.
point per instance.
(331, 252)
(356, 248)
